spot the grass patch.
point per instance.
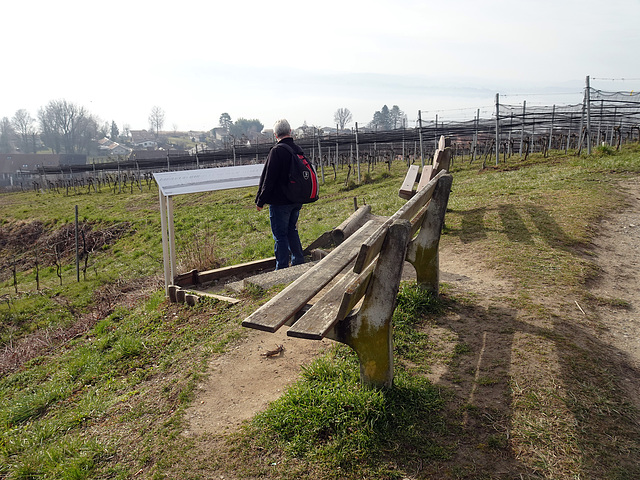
(109, 400)
(330, 419)
(48, 408)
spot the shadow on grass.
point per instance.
(475, 225)
(535, 400)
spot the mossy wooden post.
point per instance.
(369, 331)
(423, 250)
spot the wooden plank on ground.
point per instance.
(406, 190)
(323, 241)
(351, 224)
(222, 298)
(275, 313)
(236, 270)
(333, 307)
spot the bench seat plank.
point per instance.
(333, 307)
(406, 190)
(277, 311)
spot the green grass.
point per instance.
(110, 401)
(329, 418)
(49, 408)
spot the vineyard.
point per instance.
(603, 118)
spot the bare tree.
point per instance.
(156, 119)
(397, 117)
(342, 117)
(6, 135)
(67, 127)
(23, 125)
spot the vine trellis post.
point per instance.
(588, 97)
(497, 128)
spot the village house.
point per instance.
(143, 139)
(108, 147)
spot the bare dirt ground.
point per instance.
(618, 255)
(617, 250)
(243, 381)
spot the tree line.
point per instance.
(64, 127)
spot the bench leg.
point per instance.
(423, 250)
(369, 331)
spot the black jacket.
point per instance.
(275, 175)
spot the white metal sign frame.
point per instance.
(194, 181)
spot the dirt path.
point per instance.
(618, 255)
(243, 381)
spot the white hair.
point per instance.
(282, 128)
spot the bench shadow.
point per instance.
(548, 228)
(513, 225)
(501, 387)
(474, 227)
(478, 412)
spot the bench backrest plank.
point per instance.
(277, 311)
(441, 160)
(371, 247)
(425, 177)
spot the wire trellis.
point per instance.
(603, 117)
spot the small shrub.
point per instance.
(604, 150)
(199, 251)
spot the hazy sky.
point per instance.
(304, 60)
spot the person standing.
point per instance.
(283, 214)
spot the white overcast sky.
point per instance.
(304, 60)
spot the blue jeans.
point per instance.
(284, 220)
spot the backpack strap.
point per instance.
(287, 147)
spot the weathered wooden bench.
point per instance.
(354, 288)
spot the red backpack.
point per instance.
(303, 181)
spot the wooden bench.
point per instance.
(441, 161)
(362, 276)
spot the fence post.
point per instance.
(588, 99)
(497, 129)
(553, 116)
(77, 249)
(358, 154)
(337, 162)
(524, 111)
(435, 136)
(475, 137)
(420, 134)
(320, 158)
